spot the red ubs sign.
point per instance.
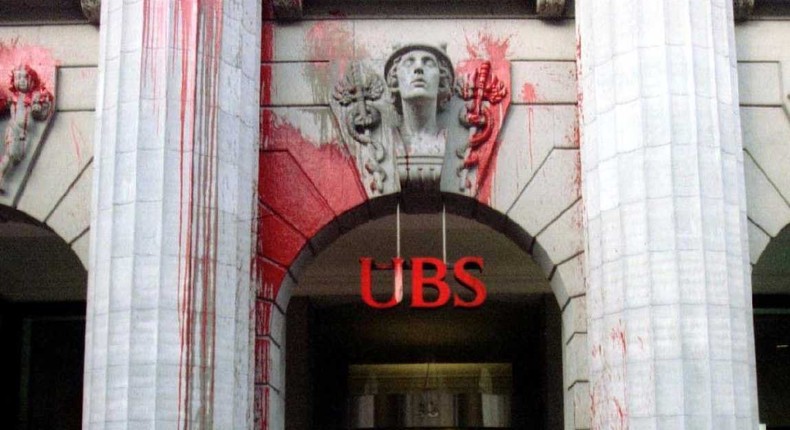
(420, 280)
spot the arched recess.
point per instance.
(771, 287)
(277, 282)
(43, 287)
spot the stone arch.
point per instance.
(277, 283)
(42, 309)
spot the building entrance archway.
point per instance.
(519, 325)
(42, 325)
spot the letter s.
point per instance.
(470, 282)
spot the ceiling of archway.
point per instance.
(508, 269)
(771, 274)
(36, 265)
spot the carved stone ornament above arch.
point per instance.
(27, 104)
(417, 122)
(92, 10)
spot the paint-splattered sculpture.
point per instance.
(481, 92)
(413, 140)
(28, 100)
(420, 79)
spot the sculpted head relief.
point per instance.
(420, 80)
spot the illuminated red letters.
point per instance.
(366, 284)
(420, 280)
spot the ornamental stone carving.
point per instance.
(415, 123)
(550, 8)
(92, 10)
(742, 9)
(25, 108)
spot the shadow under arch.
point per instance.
(415, 203)
(38, 264)
(771, 273)
(43, 288)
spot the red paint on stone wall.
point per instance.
(488, 48)
(529, 95)
(279, 241)
(287, 190)
(330, 169)
(329, 40)
(39, 59)
(271, 277)
(266, 85)
(267, 45)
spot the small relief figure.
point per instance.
(28, 100)
(420, 80)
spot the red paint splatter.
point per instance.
(617, 335)
(528, 94)
(487, 48)
(266, 85)
(329, 40)
(622, 414)
(330, 168)
(40, 59)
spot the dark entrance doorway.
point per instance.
(331, 335)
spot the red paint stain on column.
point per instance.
(195, 27)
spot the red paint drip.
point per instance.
(529, 95)
(329, 167)
(267, 43)
(266, 85)
(76, 141)
(196, 29)
(487, 47)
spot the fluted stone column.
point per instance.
(168, 339)
(668, 277)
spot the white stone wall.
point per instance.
(58, 189)
(764, 71)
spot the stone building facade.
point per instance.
(188, 177)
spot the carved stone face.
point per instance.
(418, 76)
(21, 80)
